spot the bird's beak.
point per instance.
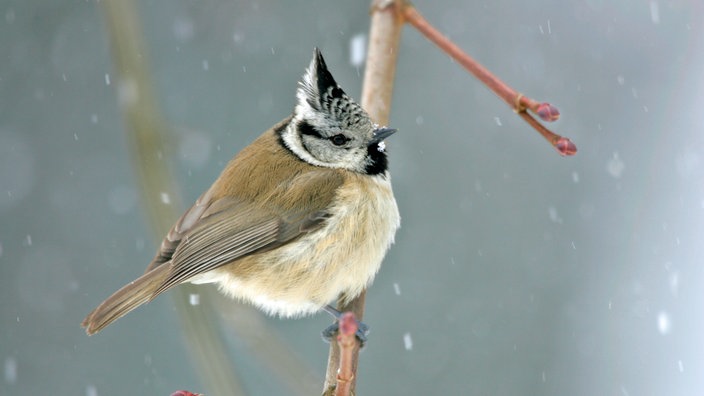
(380, 134)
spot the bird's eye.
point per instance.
(339, 139)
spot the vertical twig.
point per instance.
(384, 37)
(347, 342)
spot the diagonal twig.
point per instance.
(519, 102)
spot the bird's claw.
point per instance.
(331, 332)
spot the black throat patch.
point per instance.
(378, 163)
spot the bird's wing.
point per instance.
(213, 233)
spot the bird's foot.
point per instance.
(331, 331)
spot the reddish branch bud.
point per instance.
(185, 393)
(547, 112)
(565, 147)
(348, 324)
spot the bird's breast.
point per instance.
(342, 256)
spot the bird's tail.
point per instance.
(132, 295)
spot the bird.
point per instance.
(302, 215)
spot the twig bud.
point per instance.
(565, 146)
(547, 112)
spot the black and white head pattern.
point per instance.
(329, 129)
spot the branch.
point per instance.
(347, 342)
(517, 101)
(384, 37)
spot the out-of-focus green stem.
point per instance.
(147, 136)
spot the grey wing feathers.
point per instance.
(216, 232)
(183, 225)
(219, 239)
(229, 230)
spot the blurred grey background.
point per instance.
(516, 271)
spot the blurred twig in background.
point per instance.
(282, 362)
(146, 133)
(149, 145)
